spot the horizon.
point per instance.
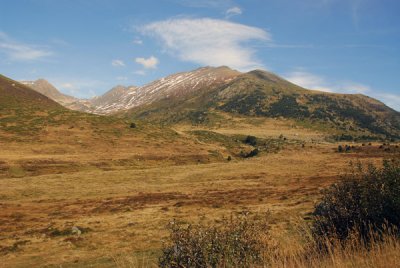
(332, 45)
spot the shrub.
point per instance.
(236, 242)
(364, 200)
(251, 140)
(253, 153)
(340, 148)
(133, 125)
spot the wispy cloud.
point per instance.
(233, 11)
(117, 63)
(137, 41)
(121, 78)
(308, 80)
(22, 52)
(391, 100)
(317, 82)
(149, 63)
(209, 41)
(205, 3)
(274, 45)
(139, 72)
(355, 10)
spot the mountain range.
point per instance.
(207, 94)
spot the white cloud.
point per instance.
(389, 99)
(233, 11)
(149, 63)
(315, 82)
(209, 41)
(121, 78)
(205, 3)
(117, 63)
(19, 51)
(308, 80)
(137, 41)
(139, 72)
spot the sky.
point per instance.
(86, 47)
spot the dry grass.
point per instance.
(299, 250)
(382, 252)
(123, 190)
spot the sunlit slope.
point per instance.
(263, 94)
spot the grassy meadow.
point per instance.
(121, 187)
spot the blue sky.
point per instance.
(85, 47)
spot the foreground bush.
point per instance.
(356, 225)
(365, 201)
(237, 242)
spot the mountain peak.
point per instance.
(265, 75)
(176, 85)
(46, 88)
(13, 93)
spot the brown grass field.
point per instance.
(122, 190)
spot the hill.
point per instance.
(263, 94)
(209, 95)
(31, 123)
(12, 93)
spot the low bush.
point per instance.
(365, 201)
(236, 242)
(251, 140)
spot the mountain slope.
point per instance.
(13, 92)
(44, 87)
(172, 86)
(32, 124)
(263, 94)
(22, 109)
(29, 115)
(110, 96)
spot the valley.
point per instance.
(83, 190)
(123, 210)
(199, 134)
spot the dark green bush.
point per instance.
(236, 242)
(340, 148)
(363, 201)
(251, 140)
(253, 153)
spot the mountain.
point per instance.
(56, 137)
(111, 96)
(180, 84)
(13, 94)
(263, 94)
(204, 95)
(94, 105)
(44, 87)
(111, 101)
(27, 115)
(22, 109)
